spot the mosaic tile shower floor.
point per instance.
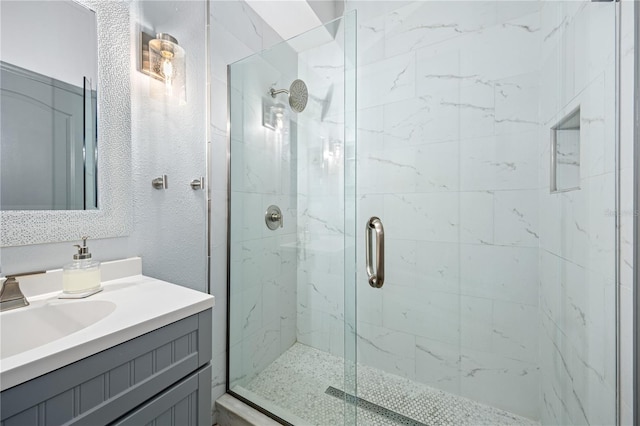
(298, 379)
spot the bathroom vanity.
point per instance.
(143, 357)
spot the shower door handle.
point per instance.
(376, 276)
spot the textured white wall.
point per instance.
(169, 138)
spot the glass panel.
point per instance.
(499, 299)
(350, 217)
(290, 291)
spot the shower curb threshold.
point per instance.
(233, 412)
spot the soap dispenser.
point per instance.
(81, 278)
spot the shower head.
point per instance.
(298, 95)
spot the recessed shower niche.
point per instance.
(565, 153)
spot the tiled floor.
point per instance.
(296, 382)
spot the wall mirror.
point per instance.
(65, 119)
(48, 106)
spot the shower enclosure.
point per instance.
(479, 153)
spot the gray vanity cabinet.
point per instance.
(162, 377)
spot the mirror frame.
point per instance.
(114, 215)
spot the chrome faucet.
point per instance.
(11, 296)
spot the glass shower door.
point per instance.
(487, 149)
(292, 224)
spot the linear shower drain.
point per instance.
(374, 408)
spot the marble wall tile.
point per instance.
(311, 330)
(247, 208)
(478, 164)
(499, 162)
(370, 130)
(369, 301)
(386, 81)
(433, 216)
(401, 262)
(438, 265)
(390, 170)
(421, 24)
(593, 129)
(508, 11)
(516, 339)
(516, 218)
(518, 54)
(372, 47)
(388, 350)
(426, 313)
(421, 120)
(237, 14)
(572, 390)
(438, 364)
(484, 375)
(499, 272)
(438, 71)
(260, 349)
(247, 316)
(476, 109)
(516, 104)
(477, 217)
(439, 166)
(476, 328)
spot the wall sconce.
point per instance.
(164, 60)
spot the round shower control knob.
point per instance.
(273, 217)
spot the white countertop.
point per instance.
(143, 304)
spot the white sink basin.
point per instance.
(26, 328)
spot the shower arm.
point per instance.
(275, 92)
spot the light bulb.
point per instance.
(167, 69)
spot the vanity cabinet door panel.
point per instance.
(187, 403)
(27, 417)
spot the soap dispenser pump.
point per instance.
(81, 278)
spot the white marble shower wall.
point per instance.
(229, 42)
(321, 194)
(496, 289)
(263, 261)
(627, 50)
(577, 228)
(448, 159)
